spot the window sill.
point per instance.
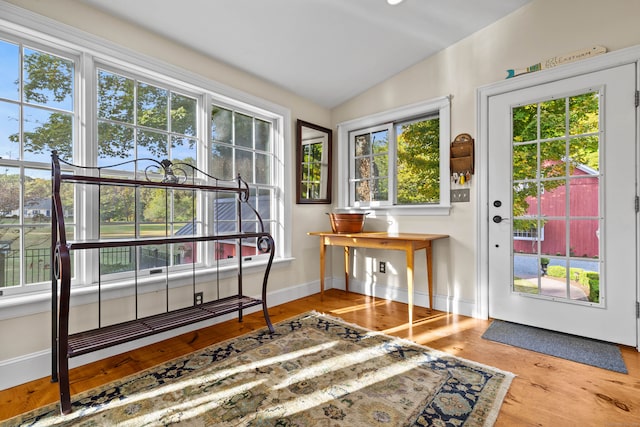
(418, 210)
(40, 302)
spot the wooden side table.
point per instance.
(407, 242)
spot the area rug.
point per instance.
(315, 370)
(578, 349)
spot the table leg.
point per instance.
(410, 270)
(322, 255)
(429, 274)
(346, 268)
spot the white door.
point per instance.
(562, 214)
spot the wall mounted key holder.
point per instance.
(462, 150)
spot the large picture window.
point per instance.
(102, 111)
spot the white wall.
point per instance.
(541, 29)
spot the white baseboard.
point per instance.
(447, 304)
(37, 365)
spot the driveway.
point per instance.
(557, 288)
(527, 268)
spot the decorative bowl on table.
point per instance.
(347, 222)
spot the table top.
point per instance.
(380, 235)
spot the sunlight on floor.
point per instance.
(387, 372)
(365, 306)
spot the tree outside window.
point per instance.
(397, 163)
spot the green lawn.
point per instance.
(37, 244)
(524, 286)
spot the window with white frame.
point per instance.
(398, 159)
(141, 120)
(37, 115)
(128, 113)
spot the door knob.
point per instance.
(498, 219)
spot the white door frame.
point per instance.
(620, 57)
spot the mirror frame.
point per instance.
(301, 124)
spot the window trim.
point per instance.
(443, 106)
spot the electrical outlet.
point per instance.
(198, 298)
(460, 195)
(382, 267)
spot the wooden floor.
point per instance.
(546, 392)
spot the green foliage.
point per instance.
(10, 194)
(47, 78)
(419, 162)
(48, 81)
(156, 202)
(592, 279)
(556, 271)
(117, 203)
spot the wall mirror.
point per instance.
(313, 163)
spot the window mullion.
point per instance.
(393, 165)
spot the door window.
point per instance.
(556, 181)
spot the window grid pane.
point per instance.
(37, 105)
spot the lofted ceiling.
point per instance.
(327, 51)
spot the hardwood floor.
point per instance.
(546, 392)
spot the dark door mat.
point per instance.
(578, 349)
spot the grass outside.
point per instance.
(37, 244)
(524, 286)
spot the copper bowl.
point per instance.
(347, 222)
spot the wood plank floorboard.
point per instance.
(546, 392)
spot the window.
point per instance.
(398, 160)
(127, 112)
(241, 145)
(37, 114)
(139, 120)
(530, 233)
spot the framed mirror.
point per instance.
(313, 166)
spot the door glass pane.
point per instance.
(552, 118)
(552, 155)
(584, 241)
(525, 161)
(554, 240)
(525, 200)
(553, 282)
(583, 113)
(525, 123)
(583, 153)
(556, 206)
(582, 194)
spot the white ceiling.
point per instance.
(325, 50)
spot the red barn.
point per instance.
(583, 233)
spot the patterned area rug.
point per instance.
(315, 370)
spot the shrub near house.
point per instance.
(589, 279)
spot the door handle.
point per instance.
(498, 219)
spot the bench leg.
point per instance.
(63, 383)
